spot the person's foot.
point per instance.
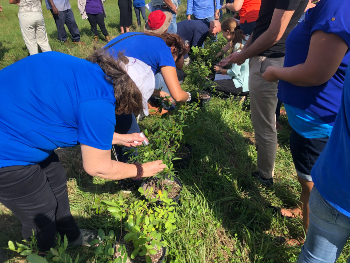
(108, 38)
(85, 238)
(96, 39)
(292, 213)
(290, 242)
(264, 181)
(79, 43)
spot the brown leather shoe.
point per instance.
(96, 39)
(80, 43)
(108, 38)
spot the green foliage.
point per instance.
(145, 221)
(168, 134)
(202, 65)
(103, 251)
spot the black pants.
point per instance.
(227, 85)
(143, 13)
(97, 19)
(37, 196)
(66, 17)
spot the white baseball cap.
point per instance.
(143, 77)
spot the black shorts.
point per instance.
(305, 152)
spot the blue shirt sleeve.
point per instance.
(96, 123)
(165, 58)
(332, 17)
(189, 7)
(218, 5)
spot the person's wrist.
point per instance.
(139, 173)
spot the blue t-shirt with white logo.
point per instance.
(52, 100)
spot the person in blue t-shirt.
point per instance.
(139, 6)
(61, 101)
(160, 51)
(311, 82)
(329, 202)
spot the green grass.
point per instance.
(222, 215)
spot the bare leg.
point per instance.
(306, 188)
(121, 30)
(127, 29)
(303, 206)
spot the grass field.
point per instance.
(223, 212)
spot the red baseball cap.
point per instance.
(158, 22)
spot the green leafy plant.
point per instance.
(145, 220)
(103, 250)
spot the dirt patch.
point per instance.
(172, 187)
(249, 137)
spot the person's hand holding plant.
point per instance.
(153, 168)
(167, 97)
(128, 140)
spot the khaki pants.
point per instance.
(33, 31)
(263, 102)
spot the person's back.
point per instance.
(44, 108)
(151, 50)
(195, 31)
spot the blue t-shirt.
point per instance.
(139, 3)
(195, 31)
(330, 173)
(307, 124)
(150, 49)
(53, 100)
(324, 100)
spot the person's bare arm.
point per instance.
(235, 6)
(271, 36)
(54, 9)
(224, 50)
(172, 82)
(99, 163)
(170, 4)
(320, 64)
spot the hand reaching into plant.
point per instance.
(167, 97)
(128, 140)
(235, 57)
(153, 168)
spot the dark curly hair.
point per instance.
(128, 96)
(172, 40)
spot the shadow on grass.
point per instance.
(3, 50)
(220, 170)
(10, 230)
